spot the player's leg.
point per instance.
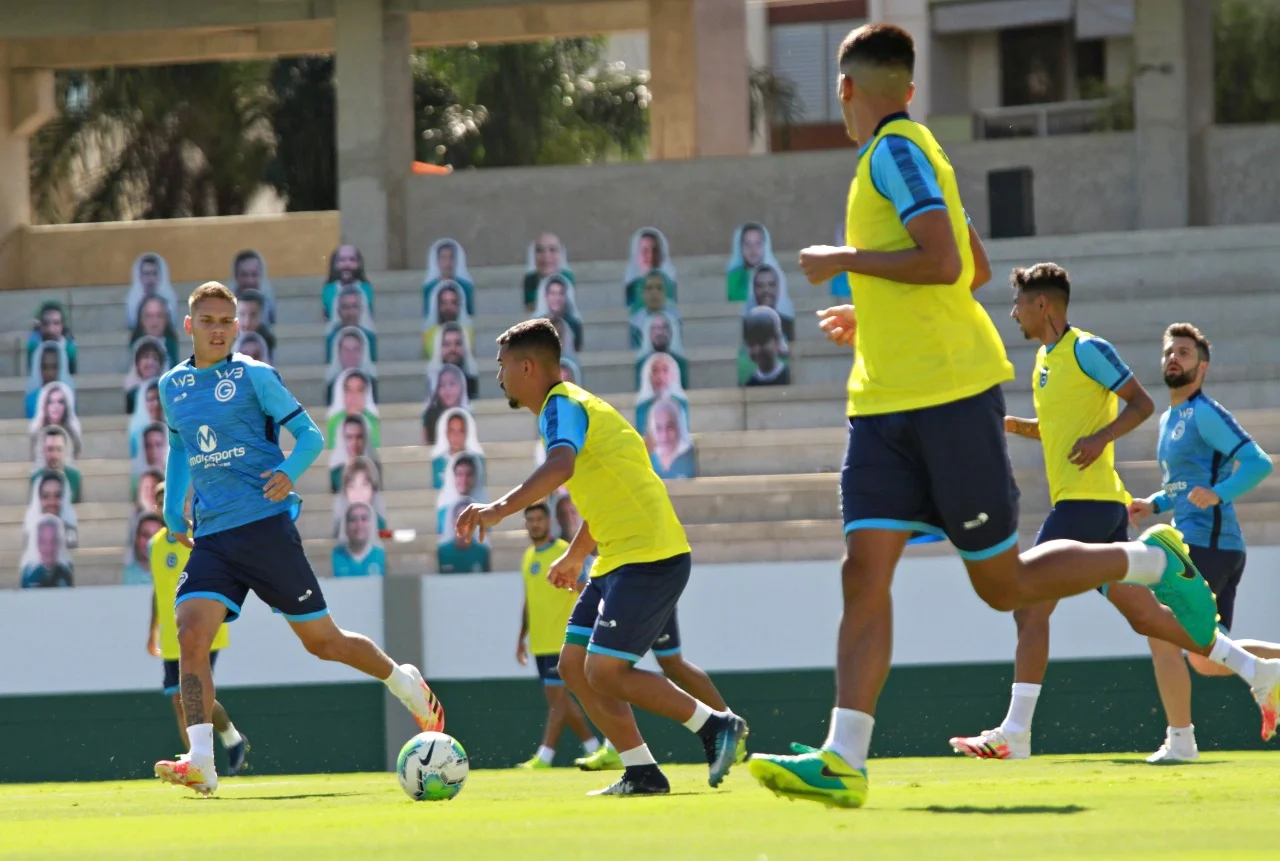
(237, 745)
(556, 694)
(638, 599)
(199, 618)
(174, 691)
(668, 651)
(884, 499)
(273, 563)
(572, 668)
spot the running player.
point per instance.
(1076, 384)
(642, 567)
(224, 412)
(168, 558)
(542, 622)
(926, 446)
(1199, 443)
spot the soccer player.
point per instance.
(168, 558)
(642, 566)
(542, 623)
(224, 413)
(1077, 382)
(926, 448)
(1199, 444)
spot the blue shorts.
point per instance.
(264, 556)
(631, 609)
(549, 669)
(942, 471)
(171, 680)
(1087, 521)
(1222, 570)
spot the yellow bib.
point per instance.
(918, 345)
(1070, 404)
(168, 560)
(617, 492)
(549, 607)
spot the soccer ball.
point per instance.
(432, 766)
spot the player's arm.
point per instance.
(567, 570)
(1029, 428)
(981, 262)
(1221, 431)
(1102, 364)
(522, 651)
(283, 408)
(563, 426)
(153, 630)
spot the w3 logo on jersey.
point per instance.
(182, 381)
(210, 454)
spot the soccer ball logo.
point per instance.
(432, 766)
(206, 439)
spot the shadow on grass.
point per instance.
(1059, 809)
(1138, 761)
(299, 795)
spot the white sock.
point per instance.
(637, 756)
(1182, 738)
(546, 754)
(1022, 707)
(400, 682)
(850, 735)
(201, 737)
(1146, 564)
(591, 745)
(701, 711)
(230, 736)
(1234, 658)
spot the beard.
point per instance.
(1180, 379)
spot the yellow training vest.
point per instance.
(1069, 405)
(918, 345)
(617, 492)
(548, 606)
(168, 560)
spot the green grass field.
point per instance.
(1048, 807)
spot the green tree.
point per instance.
(1246, 62)
(157, 142)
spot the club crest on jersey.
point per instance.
(1178, 430)
(225, 390)
(171, 560)
(535, 568)
(1044, 376)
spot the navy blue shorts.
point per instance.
(1087, 521)
(171, 680)
(264, 556)
(548, 669)
(631, 610)
(1222, 570)
(942, 471)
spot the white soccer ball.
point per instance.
(432, 766)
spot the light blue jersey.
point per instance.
(1202, 445)
(372, 564)
(224, 433)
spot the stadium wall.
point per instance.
(78, 690)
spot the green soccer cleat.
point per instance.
(534, 763)
(814, 774)
(1181, 588)
(740, 752)
(604, 759)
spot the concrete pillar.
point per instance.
(758, 57)
(698, 68)
(374, 128)
(26, 104)
(1173, 110)
(912, 16)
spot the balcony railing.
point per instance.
(1051, 118)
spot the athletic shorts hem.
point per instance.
(572, 639)
(666, 653)
(579, 629)
(979, 555)
(613, 653)
(213, 596)
(168, 692)
(895, 525)
(306, 617)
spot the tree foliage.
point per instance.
(1246, 61)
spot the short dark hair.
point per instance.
(354, 419)
(247, 254)
(885, 45)
(760, 324)
(1187, 330)
(541, 505)
(535, 336)
(252, 295)
(1041, 278)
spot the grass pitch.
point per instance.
(1049, 807)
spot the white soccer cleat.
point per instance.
(1266, 691)
(994, 744)
(1172, 754)
(422, 703)
(184, 771)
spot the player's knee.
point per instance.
(326, 647)
(572, 671)
(1033, 621)
(604, 674)
(1000, 600)
(193, 641)
(863, 580)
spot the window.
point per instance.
(806, 55)
(1091, 66)
(1033, 65)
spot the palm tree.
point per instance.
(774, 99)
(159, 142)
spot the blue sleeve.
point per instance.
(563, 422)
(1254, 465)
(177, 473)
(1101, 363)
(281, 406)
(902, 173)
(307, 445)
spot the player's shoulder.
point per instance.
(1206, 409)
(182, 368)
(254, 367)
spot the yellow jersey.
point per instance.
(614, 486)
(918, 345)
(1074, 389)
(548, 607)
(168, 560)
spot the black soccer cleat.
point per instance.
(638, 780)
(721, 735)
